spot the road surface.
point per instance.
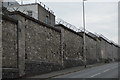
(104, 71)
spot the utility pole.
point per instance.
(84, 40)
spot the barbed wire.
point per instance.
(74, 28)
(68, 25)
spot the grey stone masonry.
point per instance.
(0, 39)
(9, 47)
(103, 49)
(9, 43)
(106, 49)
(98, 50)
(115, 52)
(71, 46)
(29, 46)
(90, 48)
(41, 43)
(21, 47)
(109, 51)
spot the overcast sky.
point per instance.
(101, 15)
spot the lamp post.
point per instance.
(84, 43)
(21, 2)
(35, 1)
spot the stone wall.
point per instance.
(42, 44)
(0, 40)
(98, 49)
(108, 50)
(115, 52)
(103, 49)
(40, 67)
(32, 47)
(9, 47)
(90, 48)
(72, 46)
(9, 43)
(119, 53)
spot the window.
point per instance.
(46, 20)
(29, 13)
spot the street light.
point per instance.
(84, 44)
(21, 2)
(35, 1)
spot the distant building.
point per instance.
(11, 3)
(39, 12)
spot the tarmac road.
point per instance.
(105, 71)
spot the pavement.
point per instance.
(63, 73)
